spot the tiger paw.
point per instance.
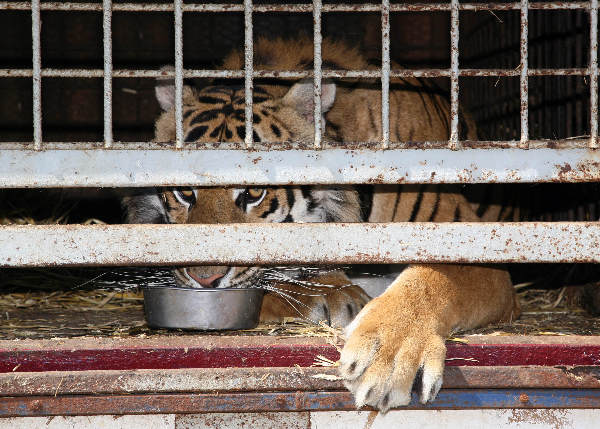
(385, 349)
(336, 306)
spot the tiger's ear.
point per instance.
(165, 90)
(301, 97)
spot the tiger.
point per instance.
(399, 334)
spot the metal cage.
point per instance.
(183, 375)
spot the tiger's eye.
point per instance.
(185, 196)
(255, 192)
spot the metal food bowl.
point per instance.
(206, 309)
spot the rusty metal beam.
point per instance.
(285, 401)
(228, 380)
(317, 243)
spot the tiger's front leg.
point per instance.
(404, 329)
(336, 305)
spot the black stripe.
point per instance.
(187, 113)
(217, 131)
(239, 114)
(241, 132)
(417, 205)
(307, 195)
(436, 205)
(205, 116)
(196, 133)
(457, 214)
(273, 206)
(288, 219)
(305, 189)
(276, 130)
(291, 198)
(210, 100)
(228, 133)
(256, 137)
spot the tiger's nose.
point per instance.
(211, 281)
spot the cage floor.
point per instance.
(38, 315)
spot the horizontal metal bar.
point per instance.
(252, 402)
(228, 380)
(268, 244)
(235, 351)
(298, 8)
(115, 167)
(290, 74)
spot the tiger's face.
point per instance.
(217, 114)
(257, 205)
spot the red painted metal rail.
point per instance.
(247, 352)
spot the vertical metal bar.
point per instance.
(248, 71)
(108, 67)
(454, 33)
(385, 73)
(524, 79)
(317, 60)
(593, 69)
(178, 11)
(36, 27)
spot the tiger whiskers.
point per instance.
(297, 277)
(288, 298)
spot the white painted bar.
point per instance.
(317, 76)
(178, 16)
(316, 243)
(454, 73)
(524, 78)
(248, 72)
(108, 70)
(135, 168)
(36, 29)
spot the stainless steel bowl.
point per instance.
(208, 309)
